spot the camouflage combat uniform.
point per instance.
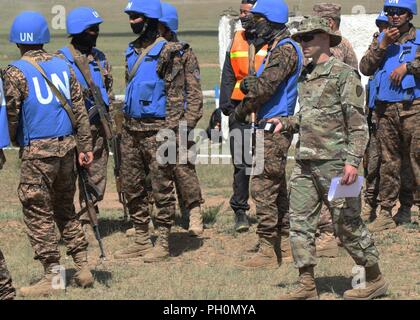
(345, 52)
(332, 132)
(398, 132)
(186, 180)
(98, 168)
(269, 189)
(139, 145)
(7, 291)
(6, 288)
(48, 176)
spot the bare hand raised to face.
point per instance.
(391, 35)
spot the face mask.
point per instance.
(86, 39)
(263, 30)
(247, 22)
(138, 27)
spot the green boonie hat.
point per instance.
(315, 23)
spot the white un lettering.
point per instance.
(63, 87)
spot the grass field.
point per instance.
(199, 268)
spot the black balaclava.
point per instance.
(85, 40)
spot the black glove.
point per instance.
(240, 115)
(247, 84)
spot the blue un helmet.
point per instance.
(275, 11)
(169, 17)
(381, 18)
(150, 8)
(29, 27)
(79, 19)
(410, 5)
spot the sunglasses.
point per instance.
(395, 11)
(307, 37)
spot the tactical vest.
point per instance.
(239, 59)
(42, 116)
(283, 102)
(396, 54)
(4, 128)
(145, 95)
(97, 77)
(371, 93)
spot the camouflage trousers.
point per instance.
(7, 291)
(46, 191)
(309, 185)
(186, 180)
(139, 150)
(399, 136)
(269, 188)
(372, 175)
(98, 168)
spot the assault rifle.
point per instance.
(91, 196)
(100, 108)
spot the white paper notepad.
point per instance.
(337, 190)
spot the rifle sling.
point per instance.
(83, 67)
(57, 93)
(140, 58)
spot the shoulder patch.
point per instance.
(359, 90)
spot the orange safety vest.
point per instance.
(240, 61)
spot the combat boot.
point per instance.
(46, 286)
(196, 222)
(160, 251)
(265, 257)
(403, 215)
(241, 222)
(376, 286)
(306, 287)
(83, 276)
(130, 233)
(368, 213)
(384, 221)
(326, 245)
(142, 244)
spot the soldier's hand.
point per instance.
(390, 36)
(398, 74)
(349, 175)
(277, 123)
(85, 159)
(239, 115)
(248, 83)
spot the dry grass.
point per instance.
(198, 268)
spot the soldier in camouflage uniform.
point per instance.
(373, 155)
(154, 101)
(83, 28)
(47, 140)
(332, 139)
(186, 179)
(398, 114)
(7, 292)
(326, 243)
(272, 92)
(344, 51)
